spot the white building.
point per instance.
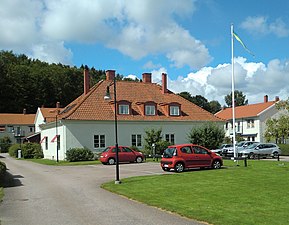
(89, 121)
(250, 120)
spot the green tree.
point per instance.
(240, 99)
(277, 129)
(186, 95)
(153, 136)
(5, 144)
(209, 135)
(212, 106)
(215, 106)
(201, 101)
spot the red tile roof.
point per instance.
(16, 119)
(244, 111)
(49, 114)
(92, 106)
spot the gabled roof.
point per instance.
(92, 106)
(49, 114)
(245, 111)
(16, 119)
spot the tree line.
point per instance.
(30, 83)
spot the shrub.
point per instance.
(31, 151)
(13, 150)
(284, 148)
(209, 135)
(79, 154)
(2, 168)
(5, 143)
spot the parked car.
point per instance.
(261, 150)
(219, 150)
(184, 156)
(229, 151)
(125, 154)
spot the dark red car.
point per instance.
(181, 157)
(125, 154)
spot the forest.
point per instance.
(30, 83)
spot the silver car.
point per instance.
(229, 151)
(261, 150)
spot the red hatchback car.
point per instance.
(125, 154)
(181, 157)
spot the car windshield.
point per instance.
(106, 149)
(169, 152)
(240, 144)
(252, 145)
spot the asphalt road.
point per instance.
(71, 195)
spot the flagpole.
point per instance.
(233, 92)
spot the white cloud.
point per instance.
(133, 27)
(254, 79)
(260, 25)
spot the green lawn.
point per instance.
(63, 163)
(257, 194)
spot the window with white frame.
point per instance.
(170, 138)
(150, 110)
(123, 109)
(136, 140)
(99, 141)
(174, 110)
(250, 124)
(10, 129)
(31, 128)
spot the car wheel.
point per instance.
(111, 161)
(275, 154)
(251, 155)
(138, 159)
(179, 167)
(216, 164)
(165, 169)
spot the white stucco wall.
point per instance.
(81, 133)
(39, 119)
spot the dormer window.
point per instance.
(123, 109)
(174, 110)
(150, 110)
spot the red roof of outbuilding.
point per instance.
(245, 111)
(16, 119)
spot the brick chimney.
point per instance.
(57, 105)
(110, 74)
(164, 83)
(86, 80)
(277, 99)
(265, 98)
(147, 77)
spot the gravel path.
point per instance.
(71, 195)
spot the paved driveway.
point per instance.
(71, 195)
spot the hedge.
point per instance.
(28, 151)
(79, 154)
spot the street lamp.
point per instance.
(108, 97)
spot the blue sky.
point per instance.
(188, 39)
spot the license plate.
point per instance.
(166, 165)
